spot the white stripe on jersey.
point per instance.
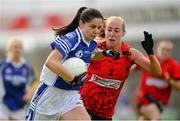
(32, 107)
(67, 45)
(63, 46)
(64, 41)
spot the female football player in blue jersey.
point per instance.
(57, 97)
(16, 78)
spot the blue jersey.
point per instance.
(70, 45)
(15, 78)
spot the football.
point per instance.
(75, 65)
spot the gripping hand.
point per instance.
(111, 53)
(79, 80)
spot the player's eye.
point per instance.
(109, 30)
(93, 27)
(99, 27)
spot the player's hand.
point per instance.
(79, 80)
(27, 98)
(111, 53)
(148, 43)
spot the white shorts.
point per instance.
(6, 113)
(50, 103)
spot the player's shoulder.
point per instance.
(71, 35)
(172, 61)
(95, 41)
(125, 46)
(71, 38)
(3, 61)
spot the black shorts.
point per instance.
(158, 103)
(95, 117)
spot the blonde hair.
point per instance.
(120, 19)
(101, 36)
(10, 42)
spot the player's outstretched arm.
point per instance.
(150, 64)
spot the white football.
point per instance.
(75, 65)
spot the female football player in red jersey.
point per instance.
(155, 91)
(106, 76)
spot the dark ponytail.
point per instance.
(72, 26)
(84, 14)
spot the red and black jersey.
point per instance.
(158, 87)
(105, 80)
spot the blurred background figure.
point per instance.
(16, 80)
(154, 91)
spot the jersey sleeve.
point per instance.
(65, 43)
(176, 71)
(175, 74)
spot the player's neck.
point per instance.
(16, 60)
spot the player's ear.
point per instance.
(81, 24)
(124, 32)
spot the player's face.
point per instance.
(16, 49)
(91, 29)
(164, 50)
(113, 32)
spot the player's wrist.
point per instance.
(170, 80)
(150, 52)
(73, 80)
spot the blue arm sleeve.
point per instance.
(63, 44)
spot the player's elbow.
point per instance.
(177, 87)
(49, 63)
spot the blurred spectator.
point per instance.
(154, 91)
(16, 80)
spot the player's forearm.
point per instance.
(175, 84)
(59, 70)
(97, 56)
(155, 67)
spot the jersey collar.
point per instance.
(17, 65)
(78, 30)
